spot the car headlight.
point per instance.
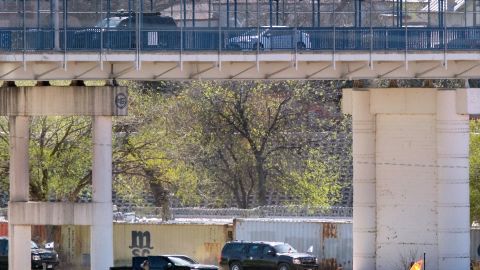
(297, 261)
(316, 260)
(36, 257)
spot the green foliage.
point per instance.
(144, 156)
(199, 141)
(249, 138)
(318, 182)
(60, 157)
(4, 153)
(475, 170)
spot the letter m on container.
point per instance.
(141, 240)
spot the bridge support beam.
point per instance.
(20, 235)
(101, 103)
(101, 248)
(411, 188)
(453, 184)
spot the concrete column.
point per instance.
(453, 184)
(419, 143)
(101, 251)
(364, 191)
(20, 235)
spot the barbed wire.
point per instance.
(258, 212)
(137, 214)
(412, 165)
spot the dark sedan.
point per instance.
(169, 262)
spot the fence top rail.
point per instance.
(224, 215)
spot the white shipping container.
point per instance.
(331, 239)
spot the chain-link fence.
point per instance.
(152, 213)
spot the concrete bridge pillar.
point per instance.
(453, 184)
(101, 103)
(364, 227)
(411, 192)
(101, 250)
(20, 235)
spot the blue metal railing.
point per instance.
(241, 39)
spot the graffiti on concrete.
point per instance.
(141, 243)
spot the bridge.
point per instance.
(410, 145)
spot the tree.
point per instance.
(475, 170)
(143, 157)
(195, 140)
(317, 182)
(248, 136)
(60, 156)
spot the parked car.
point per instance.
(119, 32)
(169, 262)
(463, 44)
(243, 255)
(270, 37)
(40, 257)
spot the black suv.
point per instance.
(238, 255)
(40, 257)
(119, 32)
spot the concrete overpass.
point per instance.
(410, 146)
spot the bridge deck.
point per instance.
(238, 65)
(234, 53)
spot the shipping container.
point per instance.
(74, 247)
(203, 242)
(331, 239)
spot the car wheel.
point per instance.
(301, 45)
(235, 266)
(283, 266)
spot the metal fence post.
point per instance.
(182, 4)
(65, 25)
(334, 37)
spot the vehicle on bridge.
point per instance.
(239, 255)
(41, 258)
(270, 37)
(120, 32)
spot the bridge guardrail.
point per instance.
(242, 39)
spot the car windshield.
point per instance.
(33, 245)
(112, 22)
(179, 262)
(284, 248)
(254, 32)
